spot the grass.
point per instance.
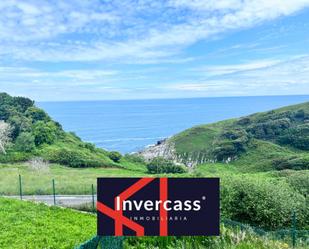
(254, 142)
(79, 180)
(260, 156)
(229, 239)
(28, 225)
(68, 180)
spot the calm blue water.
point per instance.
(130, 125)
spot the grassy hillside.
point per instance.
(266, 177)
(267, 198)
(27, 132)
(29, 225)
(277, 139)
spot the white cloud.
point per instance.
(290, 76)
(235, 68)
(94, 30)
(71, 77)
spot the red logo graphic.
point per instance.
(120, 219)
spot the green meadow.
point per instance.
(29, 225)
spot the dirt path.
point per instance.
(62, 200)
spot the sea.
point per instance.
(131, 125)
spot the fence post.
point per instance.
(293, 230)
(20, 188)
(54, 192)
(92, 192)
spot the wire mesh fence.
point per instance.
(291, 236)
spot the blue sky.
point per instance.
(125, 49)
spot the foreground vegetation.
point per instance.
(264, 199)
(29, 225)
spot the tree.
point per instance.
(23, 103)
(5, 131)
(115, 156)
(25, 142)
(44, 132)
(37, 114)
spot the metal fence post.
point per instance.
(92, 192)
(293, 229)
(54, 192)
(20, 188)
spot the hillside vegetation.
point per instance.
(29, 225)
(262, 160)
(27, 131)
(277, 139)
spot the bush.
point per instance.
(231, 145)
(300, 182)
(160, 165)
(25, 142)
(295, 163)
(264, 204)
(38, 164)
(115, 156)
(37, 114)
(297, 137)
(225, 152)
(135, 158)
(270, 129)
(20, 124)
(14, 156)
(89, 146)
(44, 132)
(74, 158)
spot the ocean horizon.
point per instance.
(131, 125)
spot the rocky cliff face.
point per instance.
(163, 149)
(166, 149)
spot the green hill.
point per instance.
(27, 131)
(277, 139)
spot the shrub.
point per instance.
(19, 124)
(44, 132)
(25, 142)
(225, 152)
(74, 158)
(89, 146)
(269, 129)
(160, 165)
(38, 164)
(23, 103)
(134, 158)
(263, 204)
(233, 144)
(115, 156)
(300, 182)
(14, 156)
(296, 163)
(37, 114)
(297, 137)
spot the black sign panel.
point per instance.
(158, 206)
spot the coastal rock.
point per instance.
(163, 148)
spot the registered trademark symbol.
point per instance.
(203, 197)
